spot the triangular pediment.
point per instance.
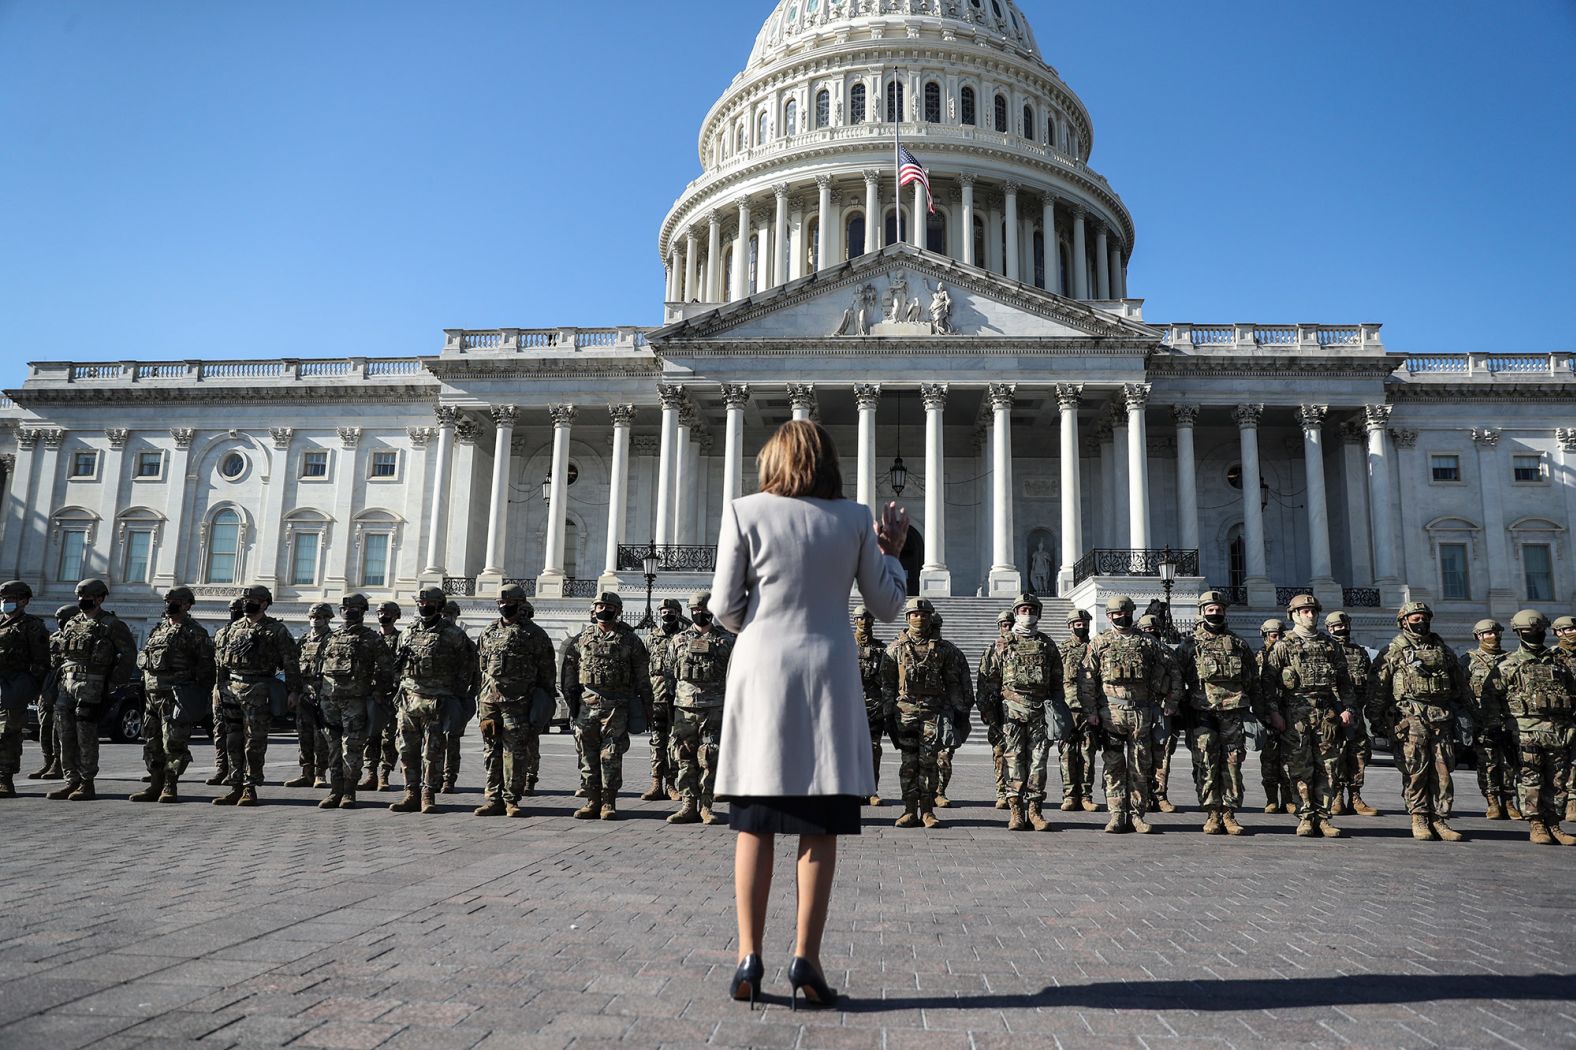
(904, 293)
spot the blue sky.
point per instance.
(215, 178)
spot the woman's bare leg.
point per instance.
(817, 865)
(752, 887)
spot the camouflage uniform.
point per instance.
(1278, 793)
(1565, 650)
(1420, 681)
(664, 766)
(695, 673)
(49, 694)
(870, 652)
(97, 654)
(998, 757)
(1220, 685)
(1307, 683)
(247, 657)
(436, 664)
(382, 748)
(177, 678)
(607, 672)
(24, 665)
(1538, 688)
(517, 666)
(1168, 727)
(923, 693)
(221, 754)
(355, 668)
(1491, 743)
(1021, 690)
(1122, 686)
(311, 740)
(960, 671)
(1077, 750)
(454, 723)
(1356, 746)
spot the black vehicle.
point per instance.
(122, 719)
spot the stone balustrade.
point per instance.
(175, 373)
(512, 340)
(1560, 363)
(1293, 337)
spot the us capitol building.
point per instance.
(987, 365)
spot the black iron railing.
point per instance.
(574, 588)
(1283, 595)
(1139, 562)
(1234, 595)
(1360, 597)
(671, 558)
(528, 582)
(460, 586)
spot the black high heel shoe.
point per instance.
(747, 980)
(803, 977)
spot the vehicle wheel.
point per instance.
(127, 727)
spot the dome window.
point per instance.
(995, 5)
(738, 139)
(1001, 113)
(1028, 123)
(933, 102)
(1050, 131)
(812, 7)
(791, 118)
(793, 11)
(856, 104)
(966, 107)
(823, 108)
(894, 101)
(760, 128)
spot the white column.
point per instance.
(993, 253)
(1501, 589)
(1053, 257)
(763, 255)
(934, 577)
(796, 239)
(1013, 259)
(872, 209)
(1380, 508)
(1005, 581)
(920, 216)
(801, 397)
(1354, 471)
(672, 401)
(179, 500)
(1321, 577)
(618, 491)
(823, 257)
(867, 396)
(780, 236)
(714, 257)
(551, 582)
(1117, 291)
(683, 477)
(1068, 396)
(1187, 476)
(1080, 282)
(1102, 256)
(741, 253)
(735, 396)
(498, 516)
(691, 272)
(440, 491)
(1261, 592)
(18, 498)
(833, 245)
(462, 488)
(1120, 492)
(1105, 520)
(672, 274)
(1137, 397)
(967, 236)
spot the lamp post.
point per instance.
(649, 564)
(1168, 575)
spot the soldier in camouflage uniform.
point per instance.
(1021, 690)
(870, 652)
(454, 724)
(695, 673)
(1356, 748)
(1538, 689)
(435, 665)
(312, 742)
(221, 754)
(998, 757)
(1077, 750)
(960, 671)
(382, 746)
(664, 765)
(1565, 650)
(97, 655)
(1308, 689)
(1420, 683)
(1220, 686)
(608, 677)
(923, 695)
(1491, 743)
(24, 664)
(517, 671)
(1123, 685)
(1166, 730)
(177, 678)
(1278, 792)
(535, 728)
(355, 670)
(248, 654)
(48, 732)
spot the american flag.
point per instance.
(909, 169)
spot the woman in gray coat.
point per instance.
(795, 754)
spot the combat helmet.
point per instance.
(1338, 618)
(1272, 627)
(1149, 622)
(1413, 607)
(914, 605)
(1119, 603)
(355, 601)
(666, 603)
(390, 609)
(1214, 598)
(258, 593)
(320, 609)
(1079, 616)
(1004, 617)
(612, 600)
(1029, 599)
(1303, 601)
(1563, 623)
(65, 612)
(700, 600)
(15, 589)
(1487, 627)
(180, 594)
(513, 593)
(432, 593)
(1529, 620)
(861, 613)
(92, 588)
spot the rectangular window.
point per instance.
(383, 465)
(149, 464)
(375, 559)
(1445, 468)
(1453, 582)
(303, 558)
(1538, 564)
(314, 463)
(84, 464)
(224, 548)
(73, 545)
(139, 549)
(1527, 468)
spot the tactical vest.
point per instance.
(1220, 661)
(1310, 667)
(505, 658)
(344, 662)
(1124, 669)
(16, 655)
(1536, 688)
(1024, 670)
(86, 648)
(870, 654)
(604, 662)
(1479, 666)
(311, 653)
(921, 670)
(1423, 674)
(700, 667)
(247, 649)
(166, 655)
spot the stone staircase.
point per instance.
(970, 623)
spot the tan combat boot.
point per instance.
(942, 801)
(674, 794)
(1272, 807)
(609, 810)
(335, 793)
(169, 795)
(910, 817)
(1165, 805)
(927, 817)
(1212, 825)
(429, 799)
(348, 799)
(1016, 821)
(1512, 810)
(1329, 831)
(63, 791)
(1361, 808)
(230, 798)
(1570, 809)
(706, 814)
(304, 780)
(592, 807)
(55, 771)
(1228, 820)
(687, 813)
(1116, 825)
(248, 796)
(368, 782)
(1338, 807)
(1002, 803)
(1538, 833)
(873, 800)
(1560, 836)
(149, 793)
(1089, 805)
(512, 810)
(1420, 829)
(1447, 833)
(83, 793)
(1069, 804)
(1140, 825)
(654, 792)
(221, 776)
(1494, 811)
(1037, 819)
(1305, 828)
(492, 807)
(43, 771)
(410, 803)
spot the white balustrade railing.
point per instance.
(1342, 335)
(241, 369)
(1304, 336)
(596, 337)
(1516, 363)
(79, 372)
(481, 340)
(393, 366)
(1437, 363)
(309, 369)
(1214, 336)
(1280, 335)
(177, 370)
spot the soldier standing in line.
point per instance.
(48, 729)
(959, 671)
(608, 677)
(1308, 686)
(568, 683)
(923, 696)
(695, 674)
(1356, 747)
(355, 667)
(455, 722)
(436, 664)
(664, 777)
(221, 753)
(248, 654)
(1022, 685)
(177, 677)
(1491, 744)
(1538, 688)
(24, 665)
(1278, 793)
(312, 741)
(1420, 680)
(541, 720)
(1220, 686)
(1565, 649)
(1166, 730)
(870, 652)
(1077, 750)
(382, 746)
(1123, 685)
(984, 697)
(517, 671)
(97, 654)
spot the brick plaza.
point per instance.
(155, 926)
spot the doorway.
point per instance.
(912, 558)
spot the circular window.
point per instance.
(233, 465)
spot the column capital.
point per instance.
(447, 415)
(1566, 436)
(1408, 438)
(1185, 415)
(1312, 416)
(689, 239)
(1136, 395)
(1104, 428)
(1247, 415)
(1069, 396)
(1352, 432)
(645, 445)
(281, 436)
(967, 178)
(1076, 211)
(867, 395)
(117, 436)
(780, 191)
(802, 395)
(824, 182)
(671, 395)
(872, 176)
(1485, 437)
(349, 437)
(419, 436)
(622, 415)
(1011, 187)
(503, 415)
(1376, 417)
(744, 209)
(934, 395)
(1001, 395)
(183, 437)
(714, 218)
(735, 395)
(465, 432)
(562, 415)
(55, 436)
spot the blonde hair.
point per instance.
(800, 460)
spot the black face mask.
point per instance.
(1122, 620)
(605, 615)
(429, 612)
(86, 604)
(700, 619)
(252, 608)
(173, 610)
(1340, 633)
(385, 619)
(235, 614)
(352, 616)
(508, 612)
(1218, 620)
(1080, 629)
(1533, 638)
(1418, 628)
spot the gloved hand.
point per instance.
(1253, 730)
(1464, 729)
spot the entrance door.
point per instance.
(913, 557)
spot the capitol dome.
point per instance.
(807, 130)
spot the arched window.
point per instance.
(856, 235)
(933, 102)
(1039, 258)
(894, 100)
(812, 246)
(738, 139)
(1050, 131)
(966, 107)
(979, 241)
(727, 276)
(224, 547)
(791, 118)
(823, 108)
(856, 104)
(1001, 113)
(1028, 123)
(936, 233)
(760, 128)
(894, 234)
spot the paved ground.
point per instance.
(159, 926)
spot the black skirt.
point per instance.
(795, 814)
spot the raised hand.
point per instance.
(892, 529)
